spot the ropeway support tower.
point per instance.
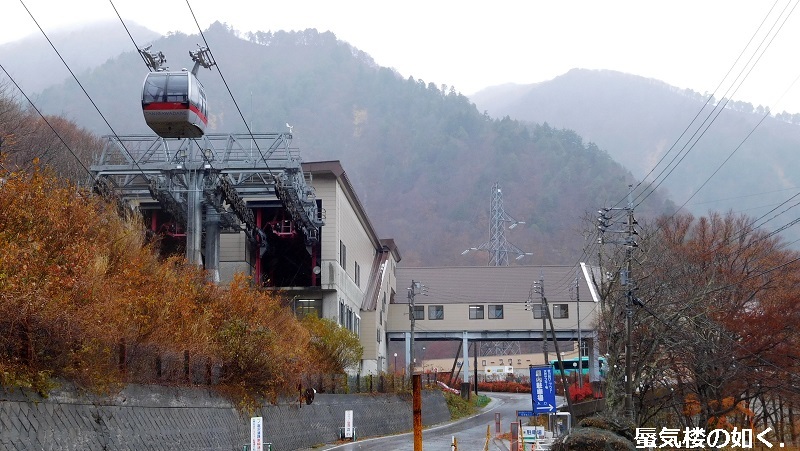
(205, 184)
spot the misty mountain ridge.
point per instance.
(736, 161)
(84, 48)
(422, 158)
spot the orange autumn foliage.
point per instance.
(85, 297)
(692, 407)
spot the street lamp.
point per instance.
(395, 362)
(423, 359)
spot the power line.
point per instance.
(719, 85)
(768, 39)
(752, 66)
(718, 167)
(730, 70)
(129, 33)
(58, 135)
(225, 82)
(747, 195)
(708, 322)
(81, 86)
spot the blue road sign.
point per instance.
(525, 413)
(543, 389)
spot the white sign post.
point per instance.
(256, 434)
(348, 424)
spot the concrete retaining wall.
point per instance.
(165, 418)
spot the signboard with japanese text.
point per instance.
(543, 389)
(532, 433)
(348, 424)
(256, 434)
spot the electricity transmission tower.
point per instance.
(498, 246)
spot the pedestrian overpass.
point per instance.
(496, 307)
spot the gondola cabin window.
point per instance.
(178, 88)
(154, 88)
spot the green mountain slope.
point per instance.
(422, 158)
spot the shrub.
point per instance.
(592, 439)
(460, 407)
(504, 386)
(578, 393)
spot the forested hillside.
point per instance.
(422, 157)
(639, 121)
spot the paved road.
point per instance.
(470, 432)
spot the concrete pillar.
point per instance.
(465, 358)
(408, 351)
(594, 353)
(212, 243)
(194, 217)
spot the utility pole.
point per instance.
(538, 287)
(626, 280)
(416, 406)
(580, 339)
(415, 289)
(560, 364)
(630, 286)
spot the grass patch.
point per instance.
(460, 407)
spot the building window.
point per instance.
(419, 312)
(357, 326)
(435, 312)
(537, 311)
(341, 313)
(495, 312)
(475, 312)
(560, 311)
(349, 319)
(379, 335)
(483, 362)
(358, 275)
(304, 307)
(343, 255)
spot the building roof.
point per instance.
(335, 168)
(389, 244)
(492, 284)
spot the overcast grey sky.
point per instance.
(472, 45)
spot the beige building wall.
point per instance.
(338, 281)
(348, 230)
(515, 317)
